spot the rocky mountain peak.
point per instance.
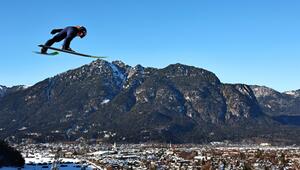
(181, 70)
(6, 90)
(293, 93)
(263, 91)
(241, 101)
(275, 103)
(177, 103)
(122, 66)
(3, 90)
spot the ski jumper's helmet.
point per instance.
(83, 30)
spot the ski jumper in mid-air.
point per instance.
(66, 34)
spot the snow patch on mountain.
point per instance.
(105, 101)
(245, 90)
(293, 93)
(117, 72)
(26, 86)
(22, 128)
(3, 90)
(135, 70)
(262, 91)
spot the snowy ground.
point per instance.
(45, 164)
(40, 167)
(46, 167)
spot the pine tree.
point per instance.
(10, 156)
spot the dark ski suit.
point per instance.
(67, 33)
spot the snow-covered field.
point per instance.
(46, 164)
(47, 167)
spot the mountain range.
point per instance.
(114, 102)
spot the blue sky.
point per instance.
(241, 41)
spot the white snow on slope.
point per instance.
(117, 72)
(262, 91)
(105, 101)
(292, 93)
(2, 90)
(23, 128)
(40, 159)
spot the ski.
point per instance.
(72, 52)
